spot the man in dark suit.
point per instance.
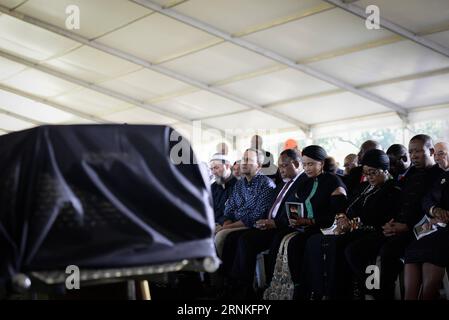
(268, 232)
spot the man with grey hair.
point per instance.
(223, 185)
(441, 155)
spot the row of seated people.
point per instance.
(373, 211)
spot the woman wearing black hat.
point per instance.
(323, 195)
(378, 198)
(377, 204)
(367, 212)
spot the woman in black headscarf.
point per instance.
(323, 195)
(367, 212)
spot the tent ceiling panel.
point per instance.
(39, 83)
(402, 72)
(23, 39)
(145, 84)
(184, 129)
(138, 116)
(414, 15)
(10, 3)
(31, 109)
(92, 65)
(440, 37)
(341, 127)
(9, 68)
(309, 37)
(10, 123)
(235, 16)
(92, 102)
(219, 62)
(201, 104)
(96, 17)
(277, 86)
(440, 112)
(335, 107)
(162, 38)
(247, 122)
(416, 93)
(381, 63)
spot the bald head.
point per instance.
(366, 146)
(442, 155)
(442, 146)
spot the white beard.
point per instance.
(220, 180)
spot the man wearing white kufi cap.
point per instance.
(223, 185)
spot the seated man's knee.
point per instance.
(220, 235)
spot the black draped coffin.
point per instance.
(101, 196)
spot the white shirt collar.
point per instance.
(296, 177)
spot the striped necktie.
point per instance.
(279, 198)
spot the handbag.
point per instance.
(281, 286)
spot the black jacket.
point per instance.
(376, 206)
(220, 195)
(438, 195)
(415, 185)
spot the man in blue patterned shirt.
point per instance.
(252, 196)
(250, 200)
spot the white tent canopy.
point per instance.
(231, 66)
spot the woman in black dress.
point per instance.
(323, 196)
(427, 258)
